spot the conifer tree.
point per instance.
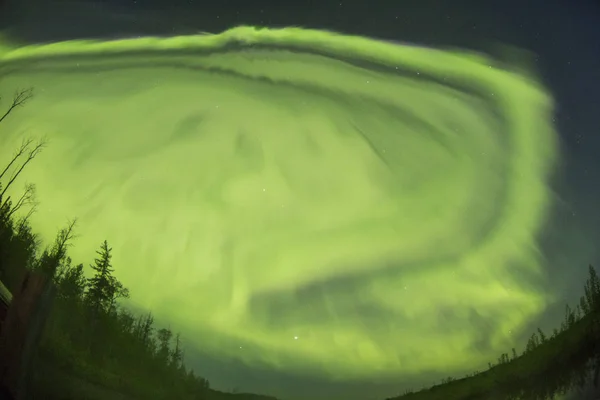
(100, 285)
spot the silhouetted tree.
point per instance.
(29, 151)
(592, 290)
(87, 332)
(176, 353)
(569, 318)
(100, 286)
(542, 336)
(17, 243)
(164, 336)
(115, 291)
(532, 343)
(71, 283)
(20, 98)
(52, 258)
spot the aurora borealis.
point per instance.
(299, 198)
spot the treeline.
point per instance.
(87, 333)
(102, 342)
(551, 365)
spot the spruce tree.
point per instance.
(99, 290)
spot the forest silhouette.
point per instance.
(90, 342)
(95, 348)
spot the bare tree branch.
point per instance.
(65, 236)
(19, 99)
(27, 198)
(25, 219)
(51, 259)
(32, 154)
(24, 146)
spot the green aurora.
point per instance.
(295, 198)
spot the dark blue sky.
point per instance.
(564, 34)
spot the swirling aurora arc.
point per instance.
(298, 198)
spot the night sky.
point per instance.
(555, 39)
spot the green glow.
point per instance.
(226, 177)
